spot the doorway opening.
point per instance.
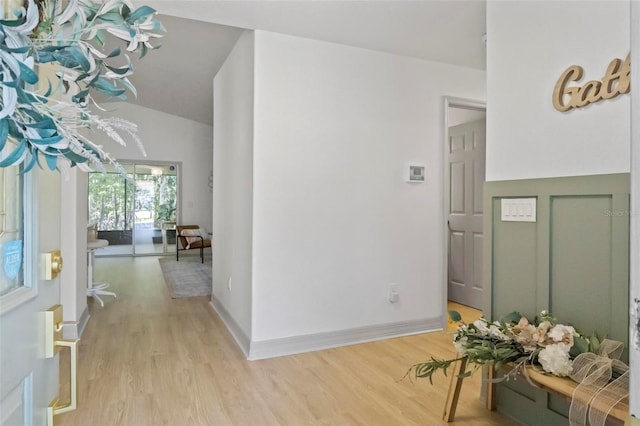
(137, 215)
(464, 165)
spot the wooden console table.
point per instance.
(560, 385)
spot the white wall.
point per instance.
(170, 138)
(233, 183)
(73, 245)
(530, 44)
(334, 221)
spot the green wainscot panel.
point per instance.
(573, 260)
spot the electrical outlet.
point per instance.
(394, 293)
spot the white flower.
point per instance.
(461, 345)
(562, 333)
(495, 331)
(555, 359)
(481, 326)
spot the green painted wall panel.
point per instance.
(580, 261)
(574, 261)
(514, 274)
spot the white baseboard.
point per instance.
(255, 350)
(236, 331)
(74, 330)
(317, 341)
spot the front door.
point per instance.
(465, 178)
(30, 226)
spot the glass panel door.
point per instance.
(155, 208)
(136, 215)
(11, 229)
(110, 209)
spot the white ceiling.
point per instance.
(177, 78)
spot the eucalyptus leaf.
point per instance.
(143, 51)
(114, 53)
(140, 13)
(32, 162)
(47, 141)
(27, 75)
(14, 84)
(512, 317)
(52, 161)
(74, 157)
(13, 23)
(80, 95)
(113, 17)
(126, 83)
(120, 70)
(23, 49)
(580, 345)
(455, 316)
(44, 123)
(80, 58)
(107, 88)
(4, 133)
(16, 155)
(100, 38)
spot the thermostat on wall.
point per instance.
(416, 173)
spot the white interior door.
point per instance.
(31, 219)
(465, 179)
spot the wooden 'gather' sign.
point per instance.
(616, 81)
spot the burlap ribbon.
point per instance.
(596, 394)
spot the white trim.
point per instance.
(12, 403)
(16, 298)
(313, 342)
(634, 254)
(29, 289)
(450, 102)
(74, 330)
(236, 331)
(82, 323)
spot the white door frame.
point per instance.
(634, 278)
(450, 102)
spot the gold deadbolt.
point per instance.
(52, 264)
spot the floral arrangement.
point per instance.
(542, 343)
(49, 120)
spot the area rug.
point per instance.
(188, 277)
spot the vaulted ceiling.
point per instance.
(177, 78)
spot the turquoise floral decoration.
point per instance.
(51, 123)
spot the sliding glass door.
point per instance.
(111, 209)
(155, 209)
(136, 214)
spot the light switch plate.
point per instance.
(518, 209)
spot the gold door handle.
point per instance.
(73, 349)
(54, 343)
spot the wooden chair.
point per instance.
(189, 237)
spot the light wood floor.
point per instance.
(147, 359)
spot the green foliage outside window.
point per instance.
(111, 200)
